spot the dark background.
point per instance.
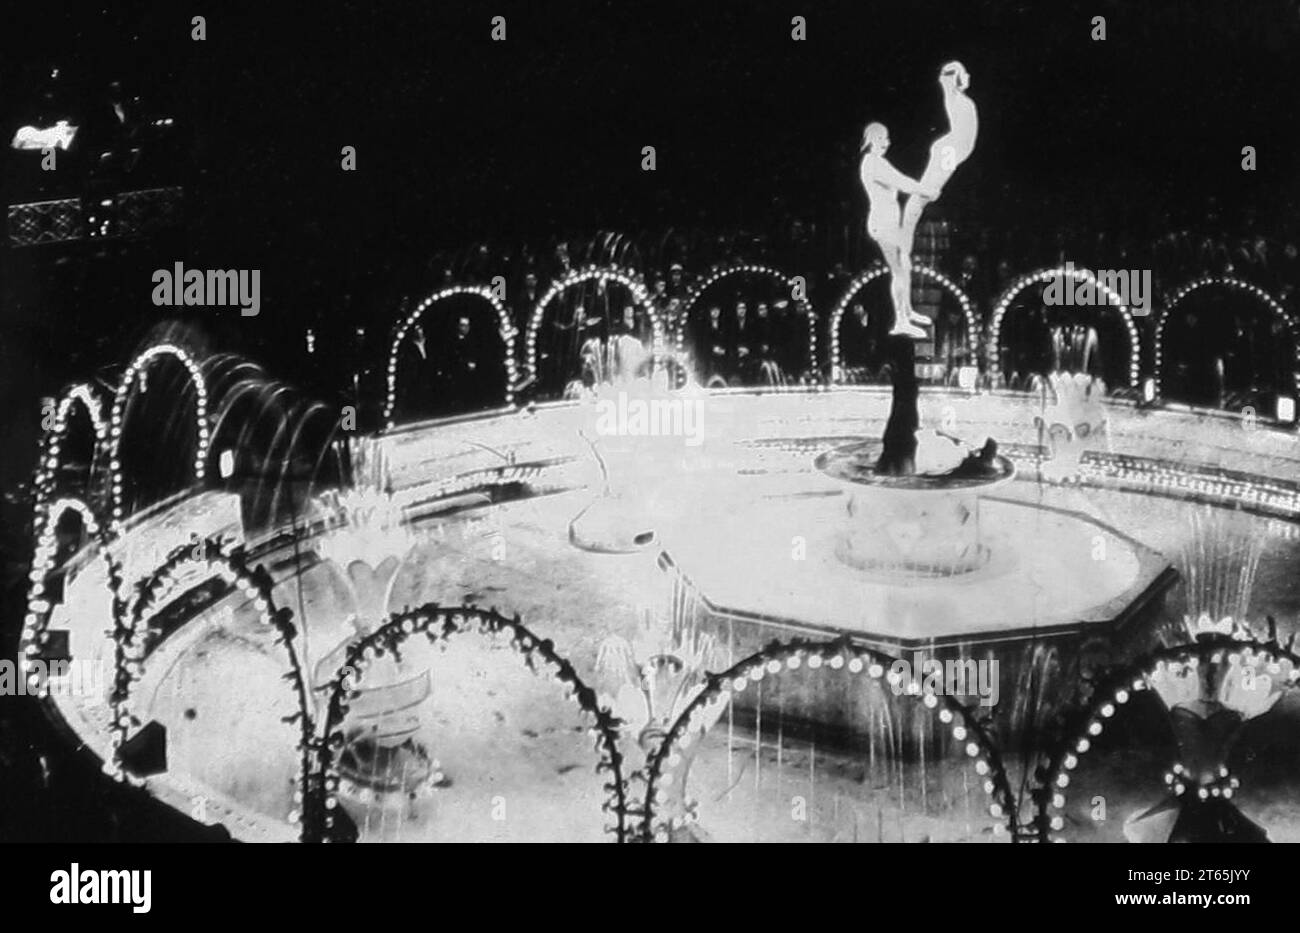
(460, 137)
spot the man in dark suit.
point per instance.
(857, 346)
(526, 299)
(711, 345)
(763, 333)
(743, 344)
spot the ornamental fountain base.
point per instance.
(936, 566)
(1040, 599)
(912, 526)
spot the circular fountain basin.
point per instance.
(856, 463)
(914, 526)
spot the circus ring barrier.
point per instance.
(505, 327)
(973, 328)
(628, 278)
(1044, 276)
(1235, 672)
(792, 283)
(671, 811)
(1232, 284)
(138, 368)
(758, 448)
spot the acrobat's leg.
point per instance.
(935, 177)
(890, 254)
(904, 276)
(905, 273)
(899, 290)
(902, 285)
(912, 209)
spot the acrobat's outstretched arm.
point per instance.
(885, 174)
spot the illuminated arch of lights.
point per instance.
(698, 290)
(507, 329)
(137, 366)
(666, 806)
(1079, 275)
(1116, 690)
(155, 593)
(47, 468)
(629, 279)
(47, 513)
(1228, 282)
(37, 617)
(439, 623)
(973, 328)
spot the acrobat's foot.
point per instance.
(908, 330)
(919, 319)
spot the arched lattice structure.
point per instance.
(629, 279)
(507, 329)
(1117, 689)
(156, 591)
(666, 806)
(1227, 282)
(115, 428)
(51, 450)
(1078, 275)
(973, 328)
(791, 282)
(439, 623)
(37, 616)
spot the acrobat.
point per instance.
(883, 184)
(946, 153)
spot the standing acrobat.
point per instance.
(883, 183)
